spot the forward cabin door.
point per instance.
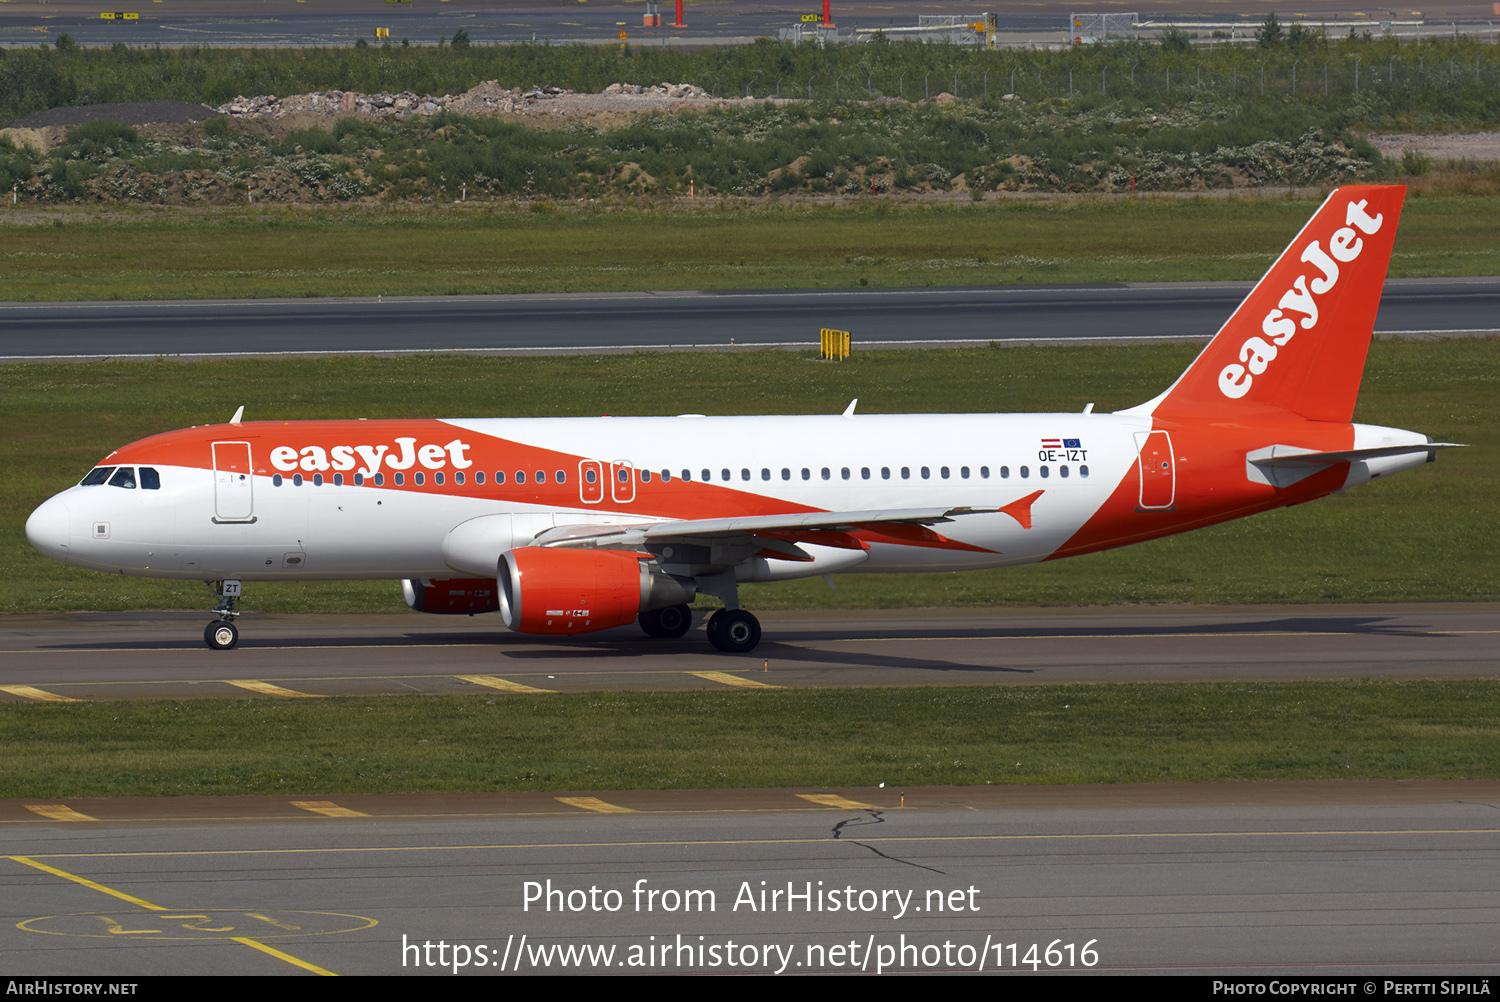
(233, 482)
(1158, 470)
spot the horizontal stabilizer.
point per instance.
(1285, 465)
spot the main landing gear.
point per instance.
(222, 634)
(733, 631)
(667, 624)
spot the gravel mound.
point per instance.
(129, 113)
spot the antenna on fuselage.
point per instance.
(237, 415)
(849, 411)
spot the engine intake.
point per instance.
(551, 590)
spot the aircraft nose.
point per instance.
(47, 529)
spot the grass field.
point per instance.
(831, 737)
(1427, 535)
(375, 251)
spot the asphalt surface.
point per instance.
(688, 320)
(158, 655)
(1354, 880)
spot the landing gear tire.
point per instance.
(667, 624)
(733, 631)
(222, 635)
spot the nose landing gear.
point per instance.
(222, 634)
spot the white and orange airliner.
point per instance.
(571, 525)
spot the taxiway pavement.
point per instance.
(159, 655)
(1349, 879)
(589, 322)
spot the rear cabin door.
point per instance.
(1158, 470)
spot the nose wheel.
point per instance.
(733, 631)
(221, 635)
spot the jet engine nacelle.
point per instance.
(565, 591)
(457, 597)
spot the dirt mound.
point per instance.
(130, 113)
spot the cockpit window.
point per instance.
(124, 477)
(150, 479)
(96, 476)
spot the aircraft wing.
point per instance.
(790, 526)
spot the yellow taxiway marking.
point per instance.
(504, 685)
(282, 955)
(31, 692)
(328, 808)
(58, 812)
(728, 679)
(143, 903)
(593, 804)
(267, 688)
(834, 800)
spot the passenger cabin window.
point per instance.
(97, 476)
(124, 477)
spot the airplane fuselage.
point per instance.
(383, 499)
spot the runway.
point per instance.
(161, 655)
(1353, 880)
(534, 324)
